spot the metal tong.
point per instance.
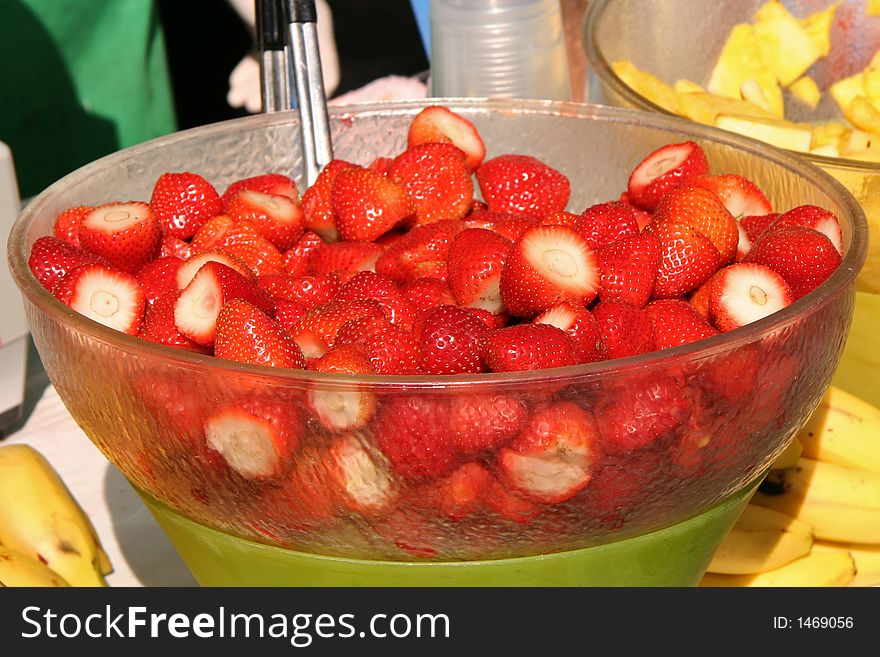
(288, 41)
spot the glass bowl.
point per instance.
(681, 39)
(726, 406)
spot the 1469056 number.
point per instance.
(825, 622)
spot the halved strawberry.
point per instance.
(389, 349)
(802, 256)
(508, 225)
(126, 235)
(415, 254)
(687, 259)
(426, 293)
(450, 341)
(581, 327)
(744, 293)
(440, 124)
(476, 257)
(361, 474)
(628, 269)
(624, 329)
(483, 423)
(244, 242)
(277, 218)
(342, 409)
(246, 334)
(605, 223)
(553, 457)
(381, 164)
(210, 234)
(109, 296)
(754, 226)
(740, 195)
(437, 180)
(66, 226)
(344, 258)
(191, 266)
(492, 320)
(510, 505)
(703, 210)
(267, 183)
(174, 246)
(546, 265)
(677, 322)
(562, 218)
(459, 494)
(699, 298)
(527, 347)
(51, 259)
(316, 332)
(819, 219)
(367, 204)
(309, 291)
(643, 218)
(159, 277)
(182, 202)
(316, 205)
(288, 313)
(159, 327)
(370, 285)
(523, 184)
(664, 170)
(256, 438)
(199, 304)
(296, 258)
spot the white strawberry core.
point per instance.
(245, 442)
(551, 476)
(751, 292)
(339, 410)
(489, 297)
(560, 316)
(108, 299)
(563, 258)
(831, 229)
(758, 295)
(560, 263)
(665, 165)
(116, 217)
(104, 303)
(663, 162)
(277, 207)
(365, 477)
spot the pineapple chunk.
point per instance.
(704, 107)
(856, 140)
(751, 91)
(807, 91)
(843, 91)
(830, 133)
(828, 150)
(865, 155)
(651, 87)
(741, 60)
(872, 8)
(785, 45)
(871, 82)
(818, 26)
(863, 114)
(687, 87)
(783, 134)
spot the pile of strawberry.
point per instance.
(397, 268)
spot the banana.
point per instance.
(867, 558)
(815, 569)
(761, 540)
(789, 456)
(17, 569)
(841, 504)
(39, 518)
(843, 430)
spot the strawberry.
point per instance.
(174, 246)
(506, 224)
(527, 347)
(259, 254)
(546, 265)
(439, 124)
(296, 258)
(367, 204)
(605, 223)
(369, 285)
(581, 327)
(126, 235)
(562, 218)
(413, 432)
(199, 304)
(483, 423)
(642, 218)
(316, 332)
(361, 475)
(267, 183)
(52, 259)
(510, 505)
(677, 322)
(288, 313)
(664, 170)
(459, 494)
(246, 334)
(744, 293)
(624, 330)
(476, 257)
(641, 412)
(316, 204)
(182, 202)
(802, 256)
(628, 268)
(703, 210)
(729, 377)
(437, 181)
(159, 277)
(210, 234)
(426, 293)
(344, 258)
(553, 456)
(277, 218)
(523, 184)
(492, 320)
(191, 266)
(819, 219)
(754, 226)
(335, 408)
(687, 259)
(450, 342)
(389, 349)
(699, 298)
(109, 296)
(740, 195)
(159, 325)
(415, 254)
(309, 291)
(66, 226)
(381, 164)
(255, 437)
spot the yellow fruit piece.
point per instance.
(867, 558)
(786, 47)
(751, 91)
(807, 91)
(649, 86)
(783, 134)
(828, 133)
(872, 8)
(741, 60)
(866, 155)
(704, 107)
(815, 569)
(687, 87)
(871, 82)
(855, 141)
(789, 457)
(863, 114)
(17, 569)
(828, 150)
(818, 26)
(845, 90)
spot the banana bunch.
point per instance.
(815, 520)
(45, 538)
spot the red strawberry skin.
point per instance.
(677, 322)
(159, 325)
(687, 259)
(476, 258)
(182, 202)
(523, 184)
(309, 291)
(624, 329)
(296, 259)
(483, 423)
(267, 183)
(506, 224)
(126, 248)
(436, 124)
(277, 218)
(52, 259)
(344, 259)
(367, 204)
(368, 285)
(527, 347)
(664, 170)
(628, 269)
(450, 342)
(174, 246)
(703, 210)
(416, 254)
(247, 335)
(66, 226)
(426, 293)
(389, 349)
(605, 223)
(581, 327)
(316, 202)
(740, 195)
(159, 277)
